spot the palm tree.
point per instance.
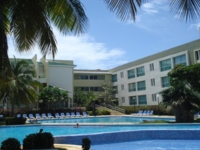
(184, 101)
(184, 9)
(30, 22)
(21, 88)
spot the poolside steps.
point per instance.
(112, 112)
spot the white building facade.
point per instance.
(136, 83)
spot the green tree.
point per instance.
(80, 97)
(21, 87)
(30, 22)
(107, 93)
(181, 96)
(53, 95)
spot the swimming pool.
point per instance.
(20, 132)
(105, 119)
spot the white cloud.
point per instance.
(195, 26)
(149, 8)
(84, 51)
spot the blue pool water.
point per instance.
(113, 119)
(20, 132)
(151, 145)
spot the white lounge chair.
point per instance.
(31, 116)
(37, 116)
(44, 116)
(24, 116)
(68, 114)
(62, 115)
(18, 115)
(57, 115)
(72, 114)
(140, 112)
(151, 112)
(78, 114)
(1, 116)
(49, 115)
(85, 114)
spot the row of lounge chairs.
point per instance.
(49, 115)
(144, 113)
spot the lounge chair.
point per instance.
(37, 116)
(85, 114)
(18, 115)
(44, 116)
(31, 116)
(151, 112)
(140, 112)
(24, 116)
(62, 115)
(57, 115)
(49, 115)
(68, 114)
(72, 114)
(78, 114)
(144, 112)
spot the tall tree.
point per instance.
(184, 9)
(21, 87)
(107, 93)
(183, 95)
(30, 22)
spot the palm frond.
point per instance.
(124, 9)
(185, 9)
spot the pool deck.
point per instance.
(68, 146)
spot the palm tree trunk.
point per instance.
(5, 69)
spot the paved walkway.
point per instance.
(68, 146)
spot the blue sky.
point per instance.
(109, 42)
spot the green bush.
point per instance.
(104, 112)
(14, 120)
(38, 141)
(10, 144)
(86, 143)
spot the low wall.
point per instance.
(129, 136)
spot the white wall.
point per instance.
(156, 74)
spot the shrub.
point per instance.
(86, 143)
(14, 120)
(10, 144)
(38, 141)
(104, 112)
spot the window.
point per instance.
(140, 71)
(165, 82)
(122, 75)
(122, 87)
(142, 99)
(141, 86)
(132, 100)
(131, 74)
(165, 65)
(131, 87)
(123, 99)
(114, 78)
(197, 55)
(152, 82)
(115, 89)
(151, 67)
(84, 77)
(153, 97)
(84, 88)
(180, 60)
(93, 77)
(94, 88)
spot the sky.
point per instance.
(109, 42)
